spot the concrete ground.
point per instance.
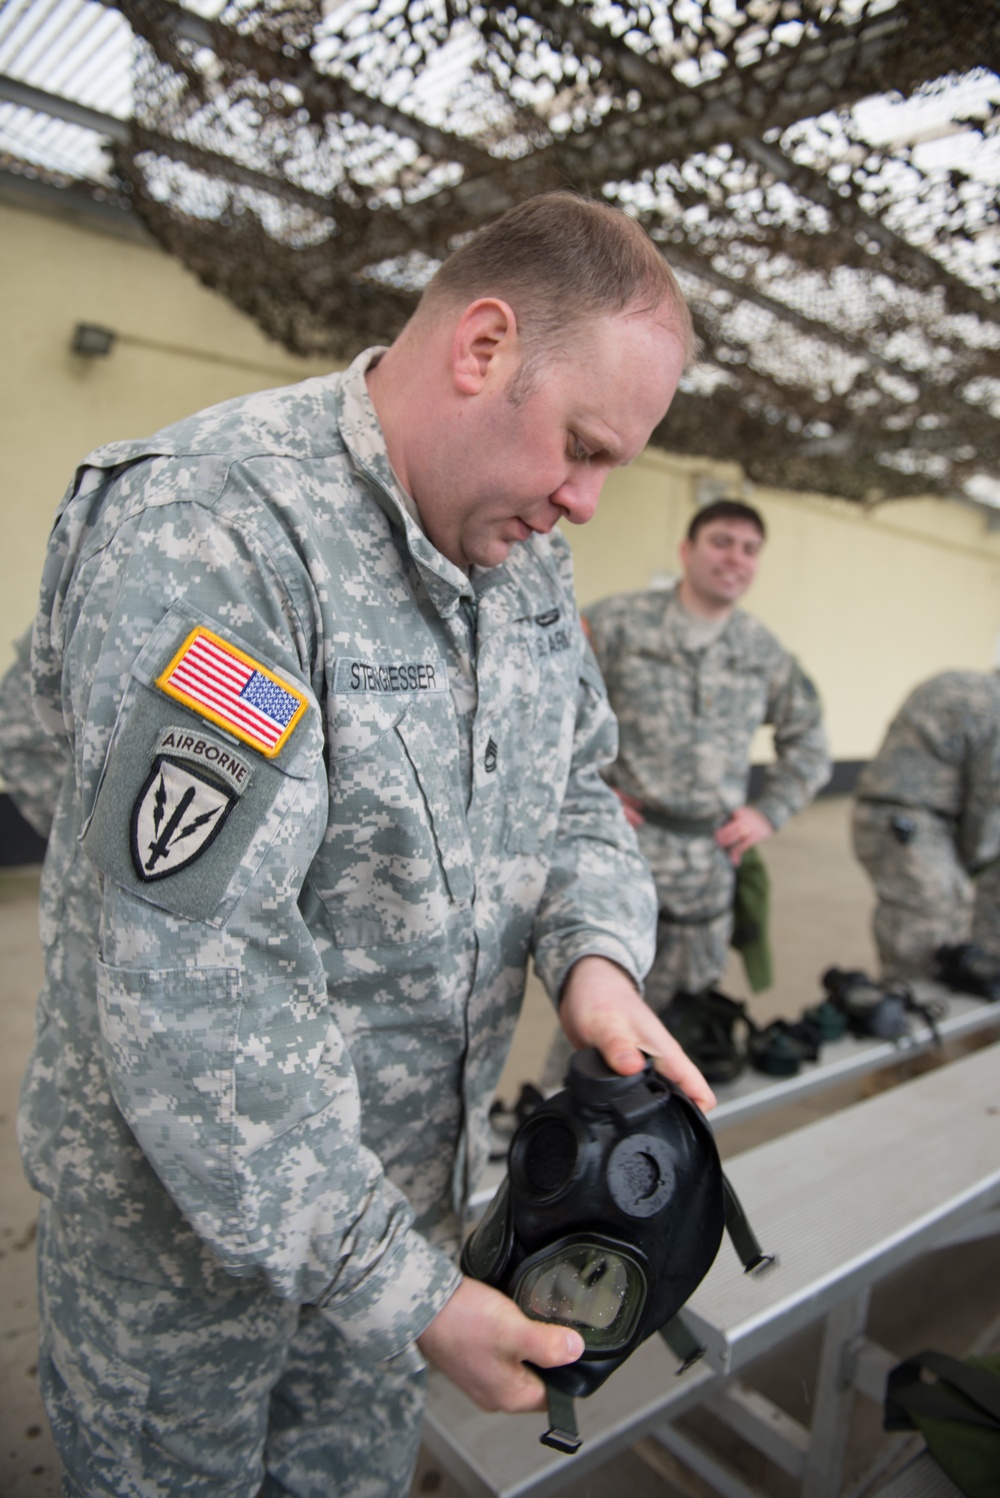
(821, 906)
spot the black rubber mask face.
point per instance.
(611, 1214)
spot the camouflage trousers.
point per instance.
(986, 909)
(695, 882)
(155, 1392)
(923, 894)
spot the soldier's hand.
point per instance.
(600, 1006)
(745, 828)
(631, 806)
(482, 1341)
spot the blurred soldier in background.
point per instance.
(691, 678)
(926, 827)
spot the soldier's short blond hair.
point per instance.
(558, 260)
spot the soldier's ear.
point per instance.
(485, 345)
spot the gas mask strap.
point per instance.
(682, 1342)
(562, 1434)
(744, 1240)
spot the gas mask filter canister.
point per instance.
(610, 1216)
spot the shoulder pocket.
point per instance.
(185, 811)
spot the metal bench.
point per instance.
(850, 1058)
(843, 1201)
(841, 1061)
(499, 1456)
(921, 1478)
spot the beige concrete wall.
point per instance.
(871, 601)
(181, 347)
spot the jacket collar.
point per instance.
(446, 584)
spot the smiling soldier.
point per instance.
(691, 678)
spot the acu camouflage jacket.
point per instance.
(687, 718)
(326, 797)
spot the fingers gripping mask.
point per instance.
(611, 1215)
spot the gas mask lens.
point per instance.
(597, 1289)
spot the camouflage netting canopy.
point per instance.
(822, 176)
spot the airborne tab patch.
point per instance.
(231, 689)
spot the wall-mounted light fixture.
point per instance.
(92, 341)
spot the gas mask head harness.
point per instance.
(609, 1218)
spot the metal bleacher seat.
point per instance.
(842, 1202)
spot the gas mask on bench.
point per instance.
(611, 1215)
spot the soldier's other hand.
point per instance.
(601, 1006)
(482, 1341)
(632, 808)
(745, 828)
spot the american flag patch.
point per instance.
(238, 693)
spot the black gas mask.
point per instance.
(610, 1216)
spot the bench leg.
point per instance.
(834, 1399)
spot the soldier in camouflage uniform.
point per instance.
(334, 745)
(691, 678)
(926, 823)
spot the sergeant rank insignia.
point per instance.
(233, 690)
(176, 816)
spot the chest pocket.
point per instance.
(540, 715)
(736, 692)
(648, 681)
(396, 859)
